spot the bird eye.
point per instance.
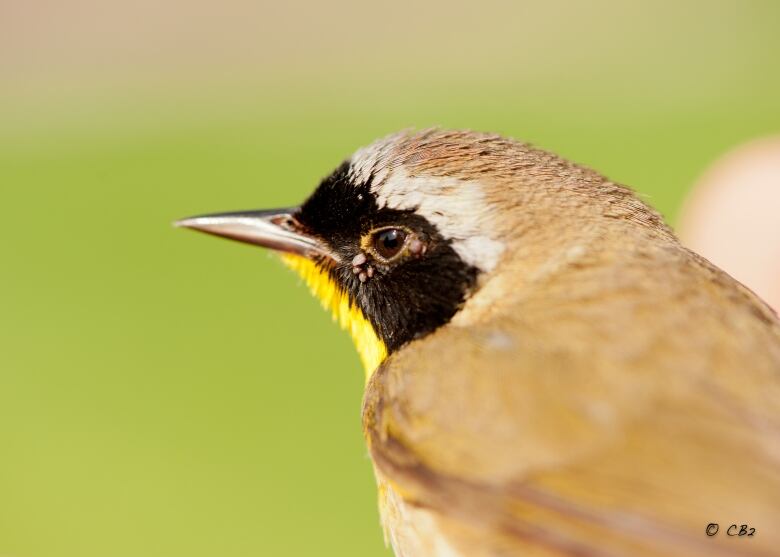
(389, 242)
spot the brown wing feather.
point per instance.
(606, 414)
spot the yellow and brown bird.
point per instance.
(549, 372)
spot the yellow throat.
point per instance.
(371, 349)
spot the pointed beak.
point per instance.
(276, 229)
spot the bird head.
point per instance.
(401, 235)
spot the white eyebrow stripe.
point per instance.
(457, 208)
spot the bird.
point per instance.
(549, 371)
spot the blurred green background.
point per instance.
(167, 394)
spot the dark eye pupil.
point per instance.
(389, 242)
